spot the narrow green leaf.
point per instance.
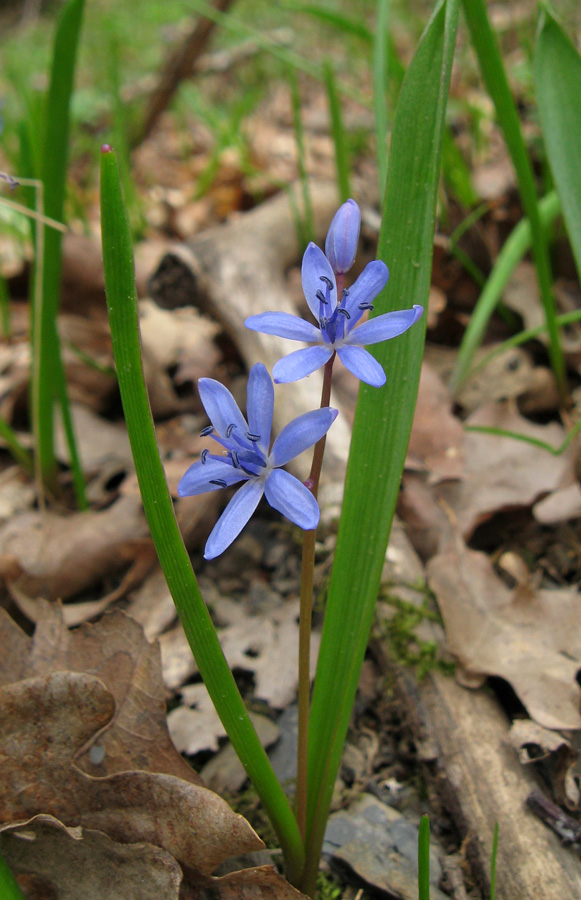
(383, 418)
(337, 133)
(557, 73)
(494, 75)
(424, 859)
(493, 857)
(379, 89)
(55, 154)
(511, 254)
(9, 888)
(174, 560)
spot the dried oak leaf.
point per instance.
(530, 638)
(503, 473)
(45, 721)
(436, 438)
(116, 651)
(535, 744)
(79, 862)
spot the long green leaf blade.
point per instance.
(383, 419)
(557, 74)
(494, 75)
(122, 306)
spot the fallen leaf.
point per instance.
(535, 744)
(502, 473)
(530, 638)
(436, 438)
(79, 862)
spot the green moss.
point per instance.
(399, 632)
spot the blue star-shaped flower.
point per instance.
(247, 458)
(337, 318)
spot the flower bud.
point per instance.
(343, 237)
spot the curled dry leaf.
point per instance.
(530, 638)
(116, 651)
(502, 473)
(59, 557)
(436, 438)
(79, 862)
(535, 744)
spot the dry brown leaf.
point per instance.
(503, 473)
(116, 651)
(535, 744)
(560, 506)
(45, 721)
(261, 883)
(530, 638)
(60, 557)
(436, 438)
(79, 862)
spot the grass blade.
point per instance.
(511, 254)
(383, 418)
(493, 857)
(379, 90)
(337, 133)
(122, 306)
(9, 888)
(557, 73)
(494, 75)
(424, 859)
(46, 377)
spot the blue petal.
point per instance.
(221, 406)
(384, 327)
(301, 363)
(343, 237)
(317, 266)
(371, 281)
(284, 325)
(300, 434)
(234, 517)
(260, 404)
(291, 498)
(363, 365)
(197, 478)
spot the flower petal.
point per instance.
(234, 517)
(291, 498)
(343, 237)
(221, 406)
(260, 404)
(197, 478)
(284, 325)
(317, 266)
(300, 434)
(363, 365)
(384, 327)
(371, 281)
(301, 363)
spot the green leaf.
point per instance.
(424, 859)
(9, 889)
(557, 74)
(384, 417)
(173, 557)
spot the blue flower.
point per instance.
(246, 457)
(336, 331)
(343, 237)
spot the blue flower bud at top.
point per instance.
(343, 237)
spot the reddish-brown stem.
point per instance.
(306, 607)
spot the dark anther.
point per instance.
(235, 460)
(206, 431)
(344, 312)
(323, 323)
(321, 297)
(327, 281)
(365, 306)
(219, 481)
(252, 437)
(345, 293)
(203, 456)
(230, 429)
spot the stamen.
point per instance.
(218, 481)
(206, 431)
(252, 437)
(323, 323)
(327, 281)
(365, 306)
(203, 456)
(230, 429)
(235, 460)
(344, 312)
(321, 297)
(345, 293)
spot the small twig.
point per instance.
(567, 828)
